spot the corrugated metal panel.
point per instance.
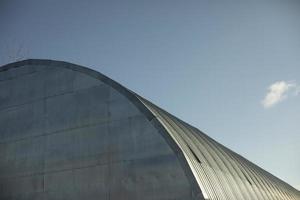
(221, 173)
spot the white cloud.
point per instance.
(278, 92)
(297, 187)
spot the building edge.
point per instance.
(133, 98)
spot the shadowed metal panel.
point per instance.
(67, 132)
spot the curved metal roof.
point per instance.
(220, 172)
(215, 171)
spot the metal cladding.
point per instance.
(68, 132)
(220, 172)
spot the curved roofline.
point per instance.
(132, 97)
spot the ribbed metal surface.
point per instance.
(209, 167)
(220, 172)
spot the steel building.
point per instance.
(70, 133)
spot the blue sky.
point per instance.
(231, 68)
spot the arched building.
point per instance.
(68, 132)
